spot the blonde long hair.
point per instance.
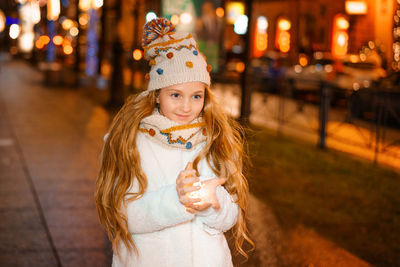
(224, 152)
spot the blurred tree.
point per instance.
(116, 90)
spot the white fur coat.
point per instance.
(164, 233)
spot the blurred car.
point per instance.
(356, 73)
(307, 76)
(381, 99)
(266, 72)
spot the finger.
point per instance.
(200, 207)
(188, 173)
(190, 210)
(184, 178)
(189, 166)
(185, 200)
(191, 189)
(188, 182)
(216, 206)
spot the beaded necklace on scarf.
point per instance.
(172, 134)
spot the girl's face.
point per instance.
(183, 102)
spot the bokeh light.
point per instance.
(150, 16)
(14, 31)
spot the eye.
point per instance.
(197, 96)
(175, 95)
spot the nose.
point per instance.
(186, 105)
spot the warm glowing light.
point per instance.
(58, 40)
(32, 10)
(328, 68)
(240, 67)
(84, 4)
(353, 58)
(284, 25)
(2, 21)
(342, 23)
(67, 24)
(83, 19)
(45, 39)
(262, 24)
(186, 18)
(220, 12)
(260, 36)
(340, 43)
(340, 36)
(25, 41)
(318, 55)
(284, 42)
(298, 68)
(240, 26)
(39, 44)
(261, 44)
(150, 16)
(175, 19)
(68, 49)
(233, 11)
(282, 37)
(53, 9)
(97, 4)
(137, 54)
(66, 42)
(303, 60)
(15, 29)
(74, 31)
(356, 7)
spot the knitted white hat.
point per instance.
(174, 57)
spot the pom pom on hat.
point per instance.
(173, 56)
(156, 28)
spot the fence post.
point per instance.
(323, 113)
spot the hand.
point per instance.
(208, 195)
(184, 186)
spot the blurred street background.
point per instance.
(316, 83)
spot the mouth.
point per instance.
(182, 117)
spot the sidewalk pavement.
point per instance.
(50, 141)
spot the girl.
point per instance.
(169, 150)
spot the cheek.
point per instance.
(199, 107)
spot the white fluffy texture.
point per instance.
(164, 232)
(175, 70)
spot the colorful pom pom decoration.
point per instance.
(189, 64)
(156, 28)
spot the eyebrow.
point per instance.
(180, 91)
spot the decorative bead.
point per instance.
(170, 55)
(209, 68)
(204, 132)
(152, 132)
(189, 64)
(152, 62)
(188, 145)
(147, 76)
(195, 52)
(160, 71)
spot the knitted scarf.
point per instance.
(172, 134)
